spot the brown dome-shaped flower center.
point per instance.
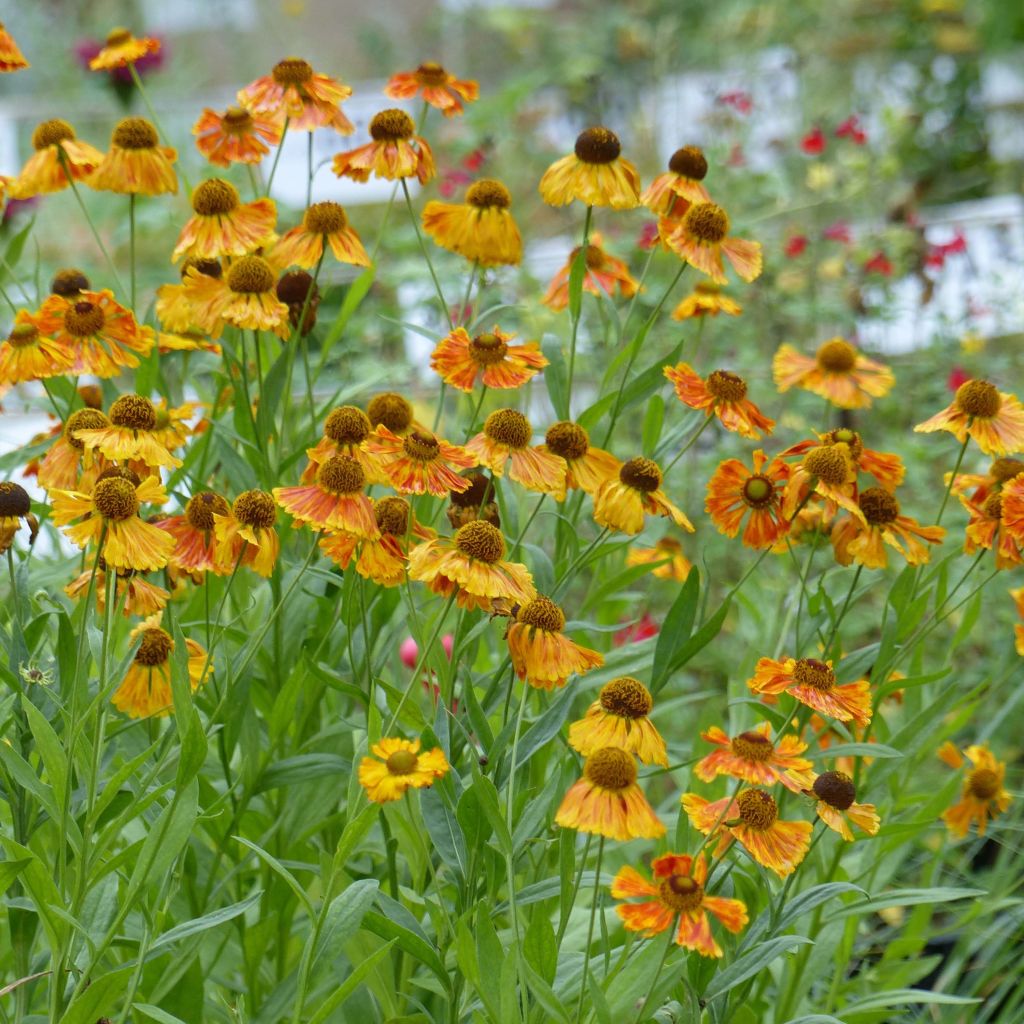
(391, 410)
(836, 789)
(255, 508)
(341, 474)
(726, 386)
(508, 427)
(690, 162)
(133, 412)
(14, 500)
(134, 133)
(611, 768)
(215, 197)
(250, 275)
(488, 192)
(115, 498)
(201, 509)
(542, 613)
(155, 648)
(1005, 469)
(431, 73)
(983, 783)
(757, 809)
(421, 446)
(879, 506)
(121, 473)
(487, 349)
(325, 218)
(479, 492)
(201, 265)
(83, 419)
(993, 507)
(626, 697)
(597, 146)
(237, 120)
(84, 319)
(69, 282)
(707, 222)
(23, 335)
(52, 132)
(481, 541)
(836, 356)
(758, 491)
(347, 425)
(978, 398)
(828, 463)
(567, 439)
(292, 71)
(814, 673)
(753, 746)
(681, 893)
(391, 125)
(641, 474)
(392, 516)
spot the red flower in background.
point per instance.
(879, 264)
(648, 238)
(475, 160)
(957, 376)
(742, 102)
(813, 143)
(937, 254)
(851, 129)
(643, 628)
(736, 157)
(795, 245)
(838, 232)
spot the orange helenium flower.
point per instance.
(702, 238)
(345, 431)
(247, 536)
(222, 225)
(236, 136)
(398, 765)
(396, 152)
(420, 463)
(28, 354)
(813, 683)
(706, 299)
(541, 654)
(604, 274)
(506, 438)
(293, 90)
(11, 57)
(620, 503)
(734, 490)
(667, 558)
(722, 394)
(687, 168)
(195, 547)
(1018, 630)
(586, 467)
(132, 594)
(836, 798)
(57, 154)
(323, 224)
(61, 465)
(596, 174)
(245, 297)
(983, 794)
(995, 419)
(885, 467)
(620, 717)
(459, 360)
(863, 540)
(838, 372)
(753, 757)
(679, 893)
(335, 501)
(438, 87)
(481, 229)
(828, 471)
(137, 164)
(122, 49)
(1012, 507)
(130, 435)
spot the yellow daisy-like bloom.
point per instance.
(137, 163)
(122, 49)
(722, 394)
(837, 372)
(323, 224)
(813, 683)
(596, 174)
(620, 504)
(130, 435)
(753, 757)
(863, 540)
(604, 275)
(419, 463)
(396, 152)
(294, 90)
(145, 690)
(460, 360)
(481, 229)
(57, 154)
(245, 297)
(1011, 507)
(620, 718)
(587, 468)
(398, 765)
(438, 87)
(11, 57)
(607, 801)
(983, 795)
(471, 565)
(236, 136)
(28, 354)
(133, 594)
(223, 225)
(111, 512)
(247, 536)
(68, 456)
(828, 471)
(195, 549)
(687, 168)
(506, 438)
(995, 419)
(667, 558)
(541, 654)
(837, 806)
(335, 501)
(346, 430)
(173, 307)
(702, 239)
(706, 299)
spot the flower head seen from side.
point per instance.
(68, 457)
(472, 566)
(133, 594)
(838, 373)
(420, 463)
(607, 801)
(667, 558)
(621, 503)
(706, 299)
(687, 169)
(540, 651)
(722, 394)
(837, 805)
(753, 757)
(1011, 508)
(438, 87)
(323, 225)
(702, 239)
(246, 536)
(1018, 630)
(11, 57)
(222, 225)
(336, 500)
(136, 163)
(826, 472)
(605, 275)
(236, 136)
(476, 502)
(121, 49)
(587, 467)
(993, 418)
(983, 796)
(130, 436)
(193, 533)
(28, 354)
(735, 492)
(677, 894)
(395, 152)
(15, 512)
(595, 173)
(398, 765)
(145, 690)
(293, 90)
(886, 467)
(173, 306)
(863, 540)
(57, 154)
(813, 683)
(620, 717)
(481, 229)
(245, 297)
(460, 360)
(346, 430)
(506, 438)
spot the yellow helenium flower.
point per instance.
(541, 654)
(481, 229)
(596, 174)
(398, 765)
(619, 718)
(983, 793)
(121, 49)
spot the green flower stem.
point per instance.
(585, 981)
(277, 155)
(689, 444)
(952, 478)
(156, 121)
(89, 222)
(131, 245)
(510, 865)
(446, 313)
(582, 255)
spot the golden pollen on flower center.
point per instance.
(814, 673)
(828, 463)
(681, 893)
(402, 762)
(325, 218)
(707, 222)
(983, 783)
(978, 398)
(878, 505)
(726, 386)
(836, 356)
(481, 541)
(52, 132)
(597, 146)
(690, 162)
(83, 419)
(115, 498)
(391, 410)
(752, 746)
(341, 474)
(641, 474)
(118, 36)
(391, 125)
(347, 425)
(611, 768)
(201, 509)
(836, 789)
(14, 500)
(255, 508)
(993, 507)
(626, 697)
(757, 809)
(215, 197)
(84, 319)
(23, 335)
(421, 446)
(508, 427)
(1006, 469)
(758, 491)
(69, 282)
(134, 133)
(237, 120)
(488, 192)
(478, 493)
(567, 439)
(250, 275)
(392, 516)
(543, 613)
(134, 412)
(487, 349)
(155, 648)
(431, 73)
(292, 71)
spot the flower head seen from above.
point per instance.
(702, 239)
(237, 136)
(246, 296)
(687, 169)
(540, 652)
(306, 98)
(395, 152)
(246, 536)
(420, 463)
(837, 805)
(722, 394)
(28, 354)
(734, 491)
(607, 801)
(438, 87)
(57, 154)
(222, 225)
(604, 276)
(837, 372)
(11, 57)
(460, 360)
(398, 765)
(620, 717)
(136, 163)
(813, 683)
(506, 438)
(587, 467)
(677, 893)
(993, 418)
(323, 224)
(983, 796)
(621, 503)
(706, 299)
(130, 436)
(666, 557)
(336, 500)
(595, 173)
(121, 49)
(754, 758)
(481, 228)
